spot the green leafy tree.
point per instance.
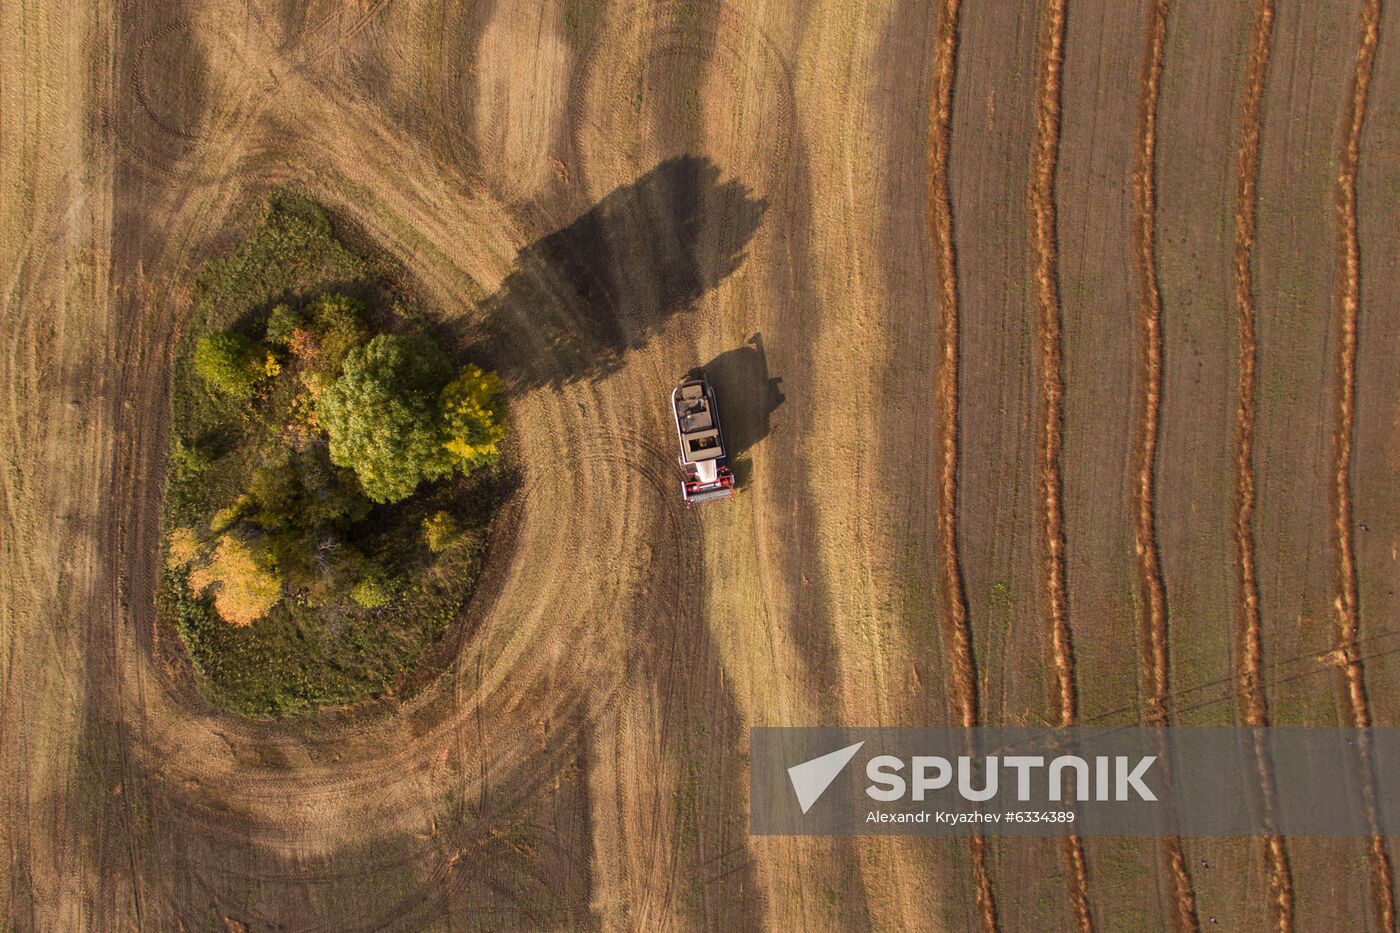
(382, 419)
(473, 417)
(306, 506)
(329, 494)
(295, 553)
(230, 363)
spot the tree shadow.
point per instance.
(580, 298)
(747, 397)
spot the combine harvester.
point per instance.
(704, 462)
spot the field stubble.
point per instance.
(613, 635)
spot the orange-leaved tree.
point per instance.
(247, 580)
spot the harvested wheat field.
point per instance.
(1057, 344)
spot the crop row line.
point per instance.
(1155, 657)
(1348, 301)
(1043, 241)
(957, 632)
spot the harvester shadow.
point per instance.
(747, 397)
(580, 298)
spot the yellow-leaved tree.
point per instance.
(473, 416)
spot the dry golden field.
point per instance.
(1058, 340)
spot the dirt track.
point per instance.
(600, 196)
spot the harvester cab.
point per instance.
(704, 461)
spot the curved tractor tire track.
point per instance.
(1254, 706)
(1353, 683)
(957, 632)
(307, 787)
(1150, 584)
(1043, 240)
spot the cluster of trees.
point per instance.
(367, 418)
(399, 415)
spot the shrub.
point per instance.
(246, 577)
(381, 416)
(281, 323)
(370, 593)
(473, 417)
(229, 363)
(225, 518)
(273, 490)
(440, 531)
(187, 461)
(182, 549)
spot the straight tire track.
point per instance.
(1353, 683)
(956, 628)
(1156, 671)
(1254, 704)
(1043, 239)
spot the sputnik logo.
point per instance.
(811, 778)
